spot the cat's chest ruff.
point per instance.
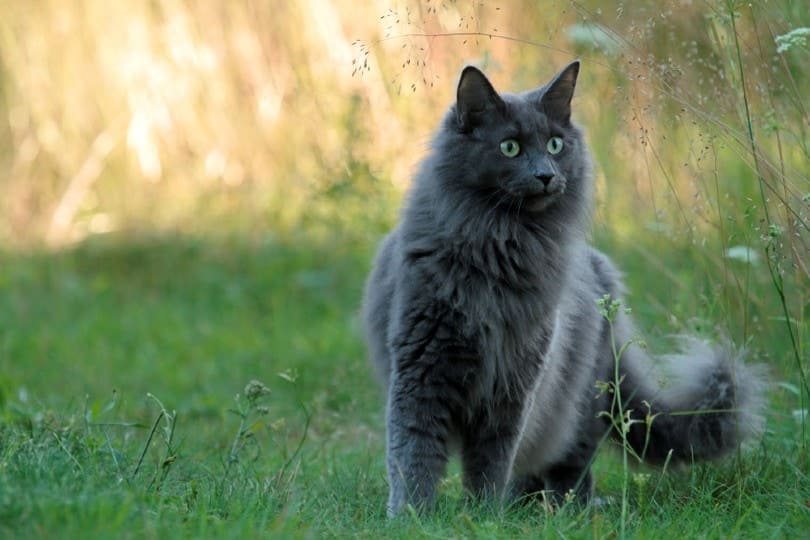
(501, 310)
(489, 289)
(508, 325)
(496, 267)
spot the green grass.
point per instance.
(88, 333)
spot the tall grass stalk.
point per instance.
(773, 254)
(169, 421)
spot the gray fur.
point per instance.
(481, 320)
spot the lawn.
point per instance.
(125, 411)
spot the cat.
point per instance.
(481, 319)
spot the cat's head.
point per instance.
(519, 152)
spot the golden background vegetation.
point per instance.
(270, 117)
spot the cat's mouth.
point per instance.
(537, 202)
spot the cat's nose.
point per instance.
(544, 177)
(544, 171)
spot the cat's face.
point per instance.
(518, 150)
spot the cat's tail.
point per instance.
(697, 404)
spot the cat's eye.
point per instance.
(554, 145)
(510, 148)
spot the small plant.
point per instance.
(251, 410)
(619, 417)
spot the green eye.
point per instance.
(510, 148)
(554, 145)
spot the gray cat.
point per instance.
(481, 318)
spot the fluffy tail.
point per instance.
(696, 405)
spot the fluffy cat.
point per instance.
(481, 319)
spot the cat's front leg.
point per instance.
(487, 449)
(417, 435)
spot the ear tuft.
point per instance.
(475, 96)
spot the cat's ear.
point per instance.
(555, 97)
(475, 97)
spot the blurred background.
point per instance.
(275, 119)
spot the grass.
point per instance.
(88, 334)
